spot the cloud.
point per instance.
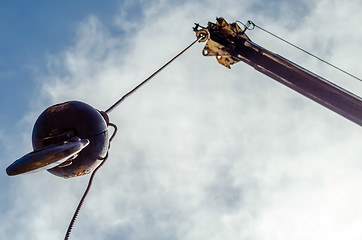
(202, 152)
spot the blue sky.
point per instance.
(202, 152)
(30, 32)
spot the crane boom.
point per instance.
(230, 44)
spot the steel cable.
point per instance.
(76, 213)
(110, 109)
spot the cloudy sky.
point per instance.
(203, 152)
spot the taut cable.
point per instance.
(150, 77)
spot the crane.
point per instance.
(71, 139)
(229, 44)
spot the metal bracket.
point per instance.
(221, 39)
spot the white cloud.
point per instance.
(202, 152)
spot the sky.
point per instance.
(202, 151)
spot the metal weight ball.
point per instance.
(72, 121)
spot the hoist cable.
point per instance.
(253, 25)
(150, 77)
(75, 215)
(114, 133)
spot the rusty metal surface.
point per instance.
(231, 45)
(214, 48)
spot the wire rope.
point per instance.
(76, 213)
(110, 109)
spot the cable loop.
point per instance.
(252, 24)
(248, 26)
